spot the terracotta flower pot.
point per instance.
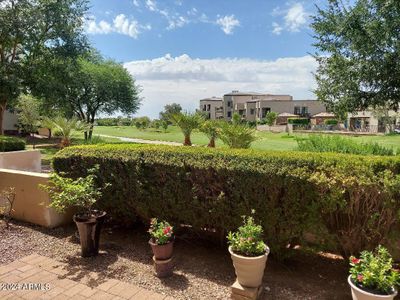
(89, 233)
(249, 270)
(163, 268)
(360, 294)
(162, 252)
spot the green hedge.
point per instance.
(339, 198)
(299, 121)
(333, 122)
(8, 143)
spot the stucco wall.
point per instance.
(9, 121)
(21, 160)
(31, 203)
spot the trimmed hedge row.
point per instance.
(299, 121)
(8, 143)
(347, 201)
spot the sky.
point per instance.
(185, 50)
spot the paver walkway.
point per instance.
(141, 141)
(39, 277)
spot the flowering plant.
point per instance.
(161, 232)
(373, 271)
(247, 240)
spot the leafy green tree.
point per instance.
(32, 33)
(94, 85)
(237, 135)
(270, 118)
(66, 127)
(211, 128)
(28, 111)
(187, 122)
(142, 122)
(169, 110)
(164, 125)
(156, 124)
(358, 54)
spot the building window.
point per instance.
(208, 107)
(229, 103)
(297, 110)
(242, 112)
(229, 114)
(304, 110)
(251, 111)
(264, 111)
(204, 107)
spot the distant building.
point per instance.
(253, 106)
(212, 107)
(10, 121)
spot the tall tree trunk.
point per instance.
(86, 135)
(211, 144)
(187, 141)
(2, 111)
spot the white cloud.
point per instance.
(185, 80)
(277, 28)
(228, 23)
(136, 3)
(121, 24)
(151, 5)
(295, 17)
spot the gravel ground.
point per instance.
(202, 270)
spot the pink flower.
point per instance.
(360, 278)
(355, 260)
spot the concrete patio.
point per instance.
(39, 277)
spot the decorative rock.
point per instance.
(163, 268)
(240, 292)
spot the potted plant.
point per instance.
(81, 194)
(249, 253)
(372, 275)
(161, 239)
(162, 243)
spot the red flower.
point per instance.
(355, 260)
(360, 278)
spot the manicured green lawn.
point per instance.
(266, 140)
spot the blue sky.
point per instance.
(185, 50)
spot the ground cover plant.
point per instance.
(335, 143)
(348, 201)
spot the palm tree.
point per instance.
(237, 135)
(65, 127)
(187, 122)
(211, 129)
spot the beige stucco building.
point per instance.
(254, 106)
(212, 107)
(367, 121)
(10, 121)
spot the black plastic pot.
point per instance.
(89, 232)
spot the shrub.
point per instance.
(346, 200)
(299, 121)
(8, 143)
(335, 143)
(142, 123)
(332, 122)
(67, 192)
(247, 240)
(270, 118)
(374, 271)
(161, 232)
